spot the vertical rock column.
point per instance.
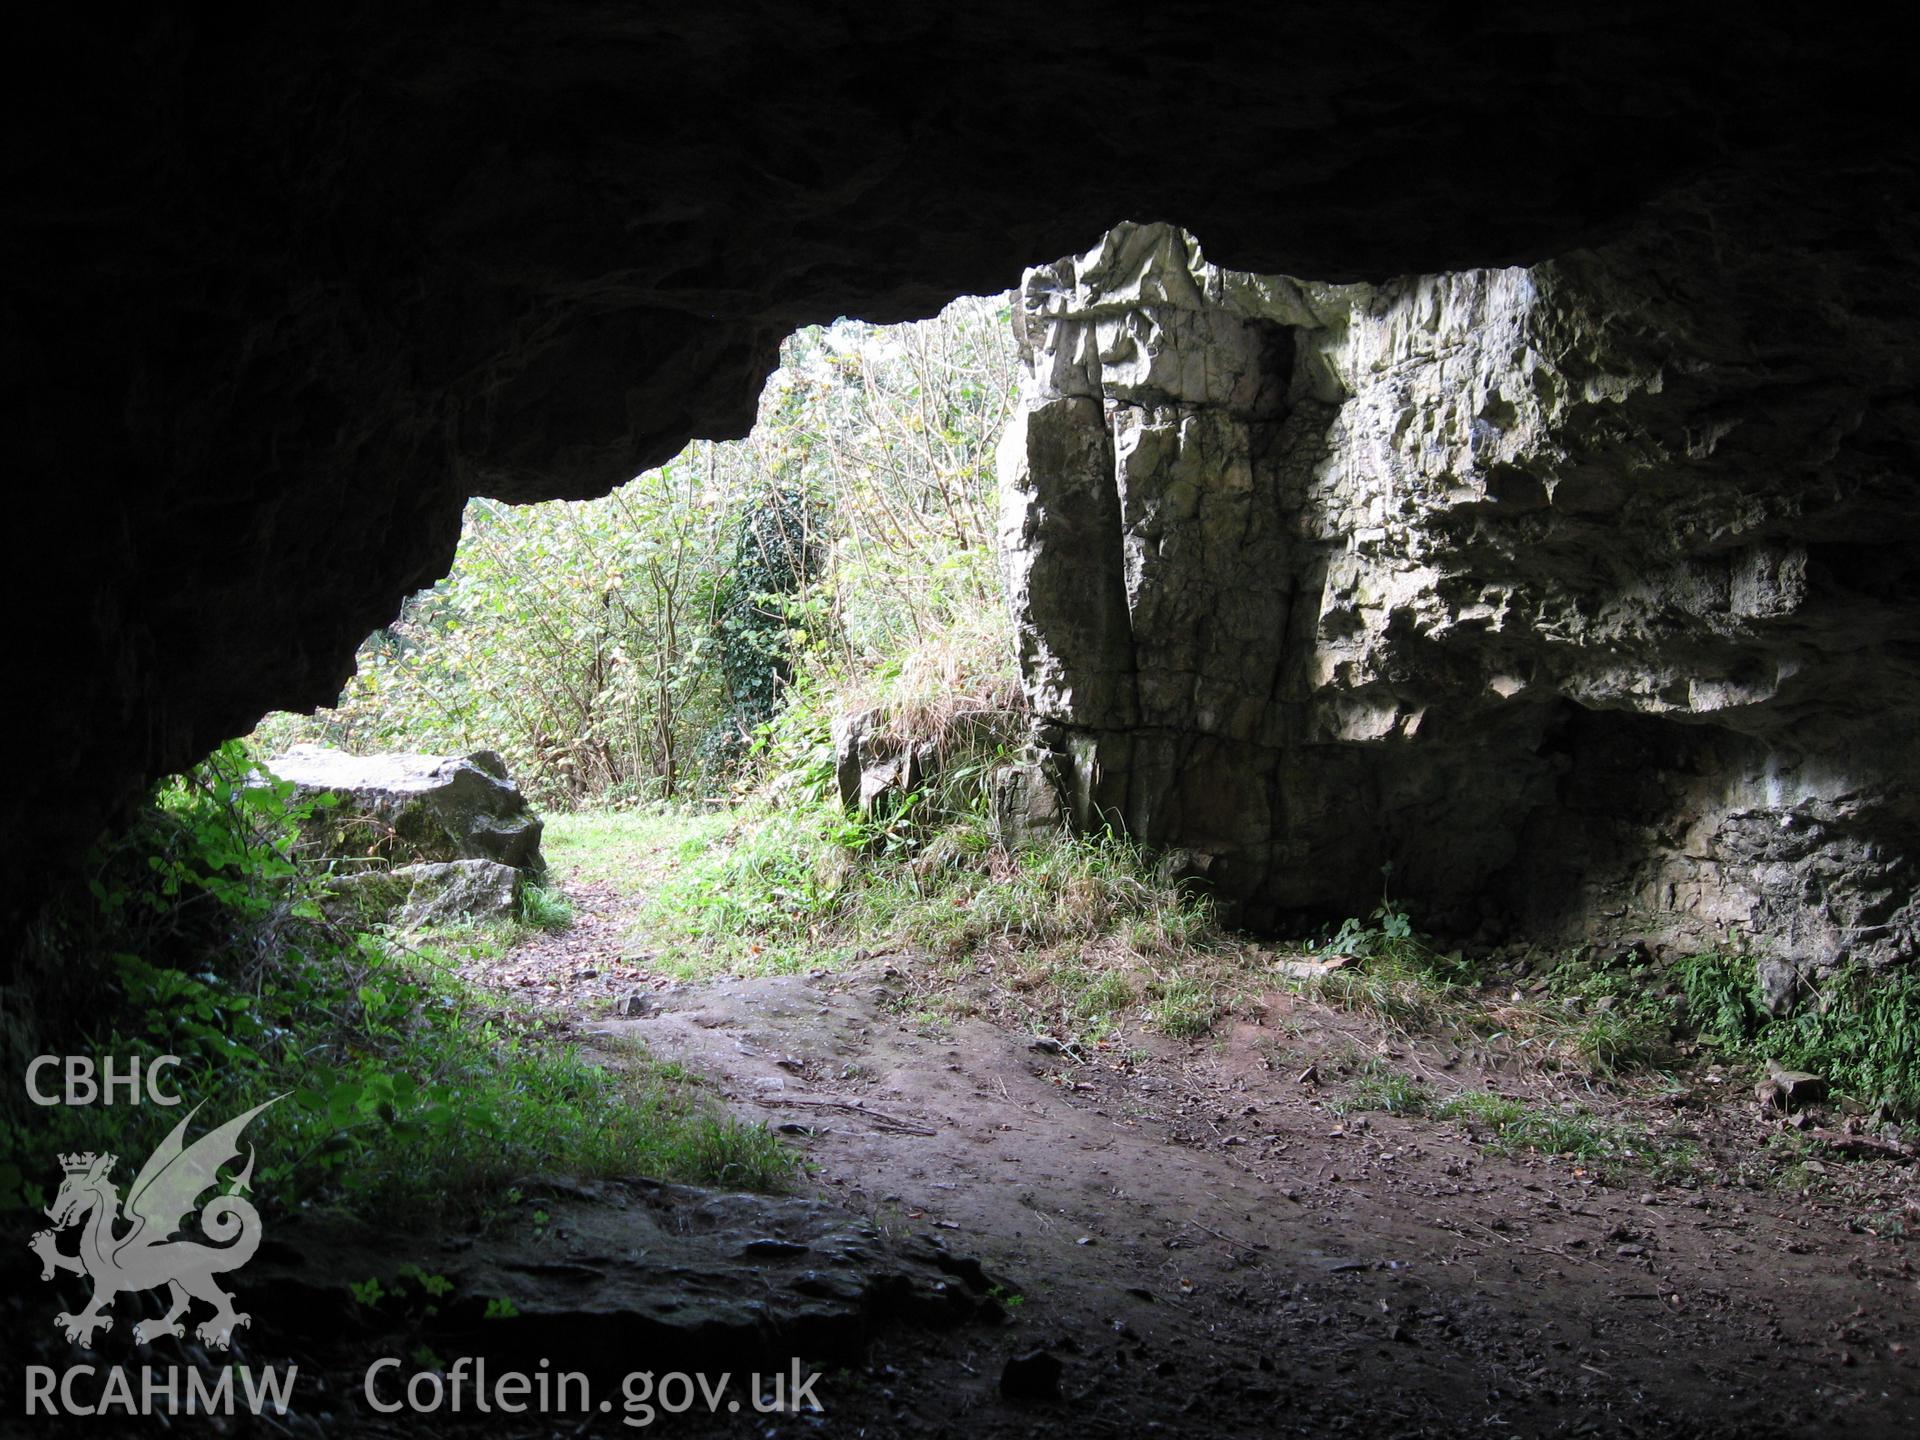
(1147, 539)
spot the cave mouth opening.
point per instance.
(682, 638)
(313, 286)
(926, 784)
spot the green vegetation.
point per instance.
(1511, 1127)
(1184, 1007)
(1623, 1015)
(543, 908)
(1508, 1126)
(1084, 931)
(1400, 979)
(1615, 1018)
(631, 850)
(1862, 1033)
(402, 1087)
(649, 646)
(1379, 1087)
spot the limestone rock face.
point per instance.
(416, 808)
(1575, 592)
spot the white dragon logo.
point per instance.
(146, 1256)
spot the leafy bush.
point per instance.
(399, 1084)
(1862, 1033)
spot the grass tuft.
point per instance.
(545, 909)
(1184, 1008)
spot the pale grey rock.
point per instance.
(428, 892)
(1027, 800)
(1780, 982)
(1550, 586)
(406, 808)
(442, 891)
(1793, 1089)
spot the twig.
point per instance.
(885, 1122)
(1529, 1245)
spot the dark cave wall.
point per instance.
(283, 287)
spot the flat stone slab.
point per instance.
(610, 1273)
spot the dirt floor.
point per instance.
(1210, 1241)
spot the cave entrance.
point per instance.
(800, 1015)
(679, 639)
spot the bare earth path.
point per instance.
(1208, 1248)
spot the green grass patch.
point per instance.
(1184, 1007)
(1512, 1127)
(1617, 1016)
(773, 891)
(1507, 1126)
(1378, 1087)
(1401, 997)
(1400, 979)
(542, 908)
(400, 1087)
(762, 895)
(630, 850)
(1103, 999)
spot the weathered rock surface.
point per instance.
(460, 889)
(639, 1271)
(430, 892)
(875, 769)
(1575, 592)
(282, 290)
(411, 808)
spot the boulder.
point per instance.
(874, 768)
(439, 891)
(1785, 1089)
(412, 808)
(429, 892)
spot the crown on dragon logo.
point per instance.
(81, 1162)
